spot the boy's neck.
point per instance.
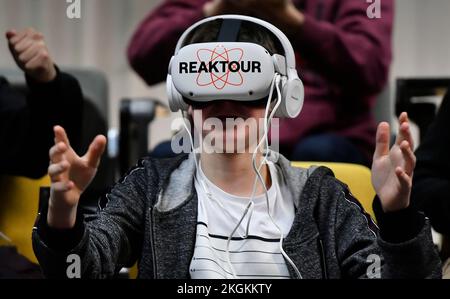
(233, 173)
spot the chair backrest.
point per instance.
(357, 178)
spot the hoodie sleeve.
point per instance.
(107, 242)
(361, 246)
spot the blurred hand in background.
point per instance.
(31, 54)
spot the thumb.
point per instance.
(382, 140)
(95, 151)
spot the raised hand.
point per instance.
(392, 170)
(70, 175)
(31, 54)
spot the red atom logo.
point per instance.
(221, 80)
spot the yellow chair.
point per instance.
(19, 200)
(357, 177)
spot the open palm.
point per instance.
(392, 169)
(71, 174)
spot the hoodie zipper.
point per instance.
(152, 247)
(322, 260)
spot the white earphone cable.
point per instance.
(249, 208)
(250, 204)
(265, 187)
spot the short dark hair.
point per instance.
(250, 32)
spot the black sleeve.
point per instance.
(405, 252)
(27, 133)
(431, 184)
(399, 226)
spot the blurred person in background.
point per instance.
(26, 124)
(343, 59)
(26, 121)
(431, 185)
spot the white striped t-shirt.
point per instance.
(256, 257)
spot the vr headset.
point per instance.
(230, 70)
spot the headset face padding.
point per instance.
(230, 70)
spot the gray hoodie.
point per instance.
(150, 216)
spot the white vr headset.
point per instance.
(229, 70)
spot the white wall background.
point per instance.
(422, 38)
(99, 39)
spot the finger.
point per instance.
(382, 140)
(63, 186)
(23, 45)
(404, 130)
(404, 179)
(17, 38)
(410, 158)
(38, 60)
(10, 34)
(30, 39)
(403, 117)
(20, 36)
(57, 152)
(95, 151)
(55, 171)
(404, 134)
(58, 148)
(60, 135)
(30, 52)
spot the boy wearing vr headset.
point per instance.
(244, 214)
